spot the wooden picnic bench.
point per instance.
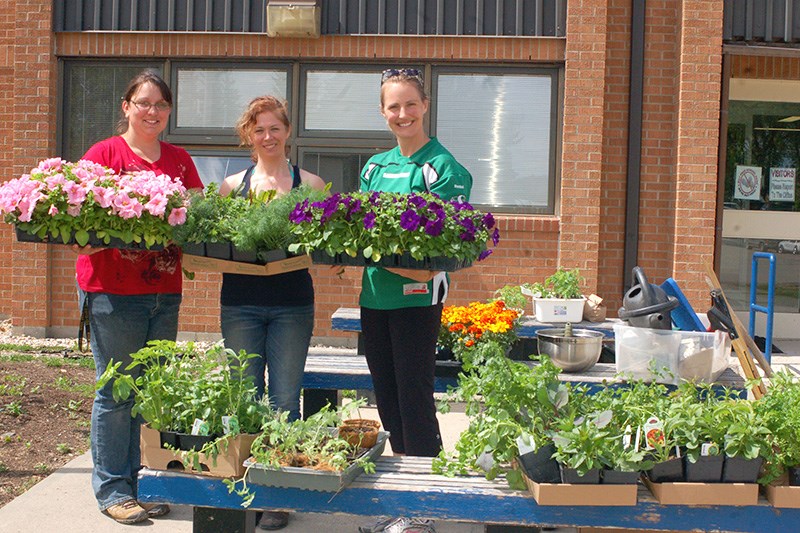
(406, 487)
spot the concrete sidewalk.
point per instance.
(64, 502)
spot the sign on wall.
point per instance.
(781, 184)
(748, 183)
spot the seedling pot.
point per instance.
(360, 432)
(707, 469)
(794, 476)
(540, 466)
(617, 477)
(741, 470)
(193, 442)
(219, 250)
(571, 476)
(667, 471)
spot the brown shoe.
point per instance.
(127, 512)
(155, 509)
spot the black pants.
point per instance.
(400, 346)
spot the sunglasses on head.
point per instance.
(407, 72)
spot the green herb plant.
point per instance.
(562, 284)
(311, 443)
(779, 411)
(512, 296)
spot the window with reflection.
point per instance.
(214, 98)
(500, 125)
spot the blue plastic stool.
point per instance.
(770, 308)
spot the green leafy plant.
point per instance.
(264, 225)
(562, 284)
(581, 442)
(377, 224)
(503, 399)
(210, 217)
(177, 385)
(311, 443)
(778, 409)
(512, 295)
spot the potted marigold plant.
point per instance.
(85, 203)
(393, 230)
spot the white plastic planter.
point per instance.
(558, 309)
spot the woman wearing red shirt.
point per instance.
(132, 297)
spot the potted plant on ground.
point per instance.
(85, 203)
(559, 298)
(393, 230)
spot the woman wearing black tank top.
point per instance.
(272, 316)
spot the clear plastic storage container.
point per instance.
(671, 356)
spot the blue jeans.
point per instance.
(280, 335)
(120, 326)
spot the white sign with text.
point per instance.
(781, 184)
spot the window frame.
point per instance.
(208, 135)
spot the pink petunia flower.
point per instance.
(177, 216)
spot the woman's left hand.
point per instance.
(422, 276)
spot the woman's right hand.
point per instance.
(338, 270)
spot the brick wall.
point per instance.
(678, 159)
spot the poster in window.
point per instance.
(748, 183)
(781, 184)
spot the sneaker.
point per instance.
(379, 526)
(272, 520)
(127, 512)
(155, 509)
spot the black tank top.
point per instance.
(287, 289)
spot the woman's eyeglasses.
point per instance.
(145, 106)
(390, 73)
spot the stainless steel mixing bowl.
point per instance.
(575, 353)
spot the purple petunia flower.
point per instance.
(434, 228)
(484, 254)
(417, 201)
(300, 213)
(468, 236)
(369, 220)
(488, 220)
(409, 220)
(496, 236)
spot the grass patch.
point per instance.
(85, 362)
(3, 468)
(53, 362)
(63, 448)
(12, 385)
(16, 357)
(6, 347)
(69, 385)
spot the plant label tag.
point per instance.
(526, 444)
(485, 461)
(709, 448)
(415, 288)
(626, 438)
(653, 432)
(638, 442)
(230, 424)
(199, 427)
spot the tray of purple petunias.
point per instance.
(418, 231)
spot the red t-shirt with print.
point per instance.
(129, 272)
